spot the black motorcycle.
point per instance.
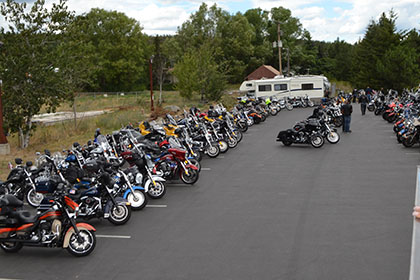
(305, 132)
(98, 197)
(54, 226)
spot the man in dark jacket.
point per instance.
(363, 100)
(346, 110)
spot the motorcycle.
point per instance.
(54, 226)
(305, 132)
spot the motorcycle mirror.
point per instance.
(89, 143)
(75, 144)
(18, 161)
(29, 163)
(37, 153)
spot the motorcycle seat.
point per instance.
(25, 217)
(10, 200)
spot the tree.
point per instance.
(118, 49)
(198, 73)
(34, 64)
(229, 36)
(380, 37)
(399, 68)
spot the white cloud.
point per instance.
(324, 21)
(348, 24)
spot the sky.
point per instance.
(325, 20)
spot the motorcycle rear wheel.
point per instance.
(89, 242)
(34, 199)
(317, 141)
(11, 247)
(287, 141)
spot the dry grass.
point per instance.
(125, 109)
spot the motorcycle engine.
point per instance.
(165, 167)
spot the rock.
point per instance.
(172, 108)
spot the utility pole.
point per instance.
(152, 108)
(3, 139)
(4, 145)
(279, 44)
(288, 62)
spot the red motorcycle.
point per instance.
(174, 165)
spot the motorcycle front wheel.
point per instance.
(409, 141)
(119, 214)
(196, 163)
(138, 200)
(289, 107)
(223, 145)
(213, 150)
(338, 121)
(84, 245)
(158, 191)
(232, 142)
(371, 108)
(333, 137)
(191, 177)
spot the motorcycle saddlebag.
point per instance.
(282, 134)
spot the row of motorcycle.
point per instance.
(316, 128)
(113, 175)
(404, 112)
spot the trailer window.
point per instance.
(278, 87)
(307, 86)
(249, 85)
(264, 88)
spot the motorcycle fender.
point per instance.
(70, 231)
(192, 166)
(149, 182)
(134, 188)
(108, 205)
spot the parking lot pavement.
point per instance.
(263, 211)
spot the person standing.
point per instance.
(369, 92)
(363, 100)
(346, 110)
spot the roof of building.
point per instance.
(264, 71)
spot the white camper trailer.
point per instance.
(310, 85)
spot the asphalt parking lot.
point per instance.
(263, 211)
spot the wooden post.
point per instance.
(3, 139)
(278, 45)
(152, 108)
